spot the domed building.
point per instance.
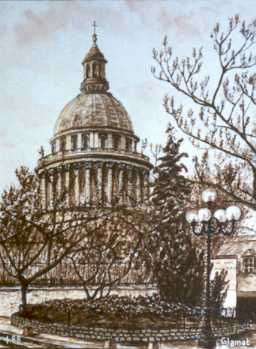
(94, 154)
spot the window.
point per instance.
(116, 141)
(87, 70)
(85, 141)
(74, 142)
(93, 69)
(63, 144)
(249, 265)
(97, 70)
(249, 262)
(103, 140)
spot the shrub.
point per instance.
(112, 311)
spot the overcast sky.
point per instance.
(42, 46)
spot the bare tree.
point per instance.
(109, 253)
(33, 241)
(223, 105)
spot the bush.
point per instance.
(112, 311)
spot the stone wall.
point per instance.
(122, 335)
(11, 296)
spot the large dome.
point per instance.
(94, 158)
(89, 110)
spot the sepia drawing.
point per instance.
(128, 174)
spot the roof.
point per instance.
(93, 110)
(94, 54)
(237, 245)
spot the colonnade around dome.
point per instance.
(95, 183)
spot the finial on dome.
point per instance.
(94, 68)
(94, 35)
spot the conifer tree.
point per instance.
(177, 264)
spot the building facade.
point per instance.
(94, 150)
(238, 256)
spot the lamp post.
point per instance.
(207, 221)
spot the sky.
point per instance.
(44, 42)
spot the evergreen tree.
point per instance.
(219, 286)
(177, 264)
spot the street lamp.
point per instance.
(207, 221)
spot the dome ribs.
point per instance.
(93, 110)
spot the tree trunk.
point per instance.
(24, 290)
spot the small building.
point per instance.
(238, 257)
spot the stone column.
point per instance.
(123, 142)
(67, 185)
(79, 141)
(88, 184)
(110, 140)
(68, 142)
(76, 187)
(58, 184)
(82, 185)
(138, 187)
(133, 145)
(130, 196)
(121, 185)
(50, 190)
(96, 140)
(109, 183)
(57, 142)
(43, 191)
(99, 183)
(91, 142)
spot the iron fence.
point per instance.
(64, 275)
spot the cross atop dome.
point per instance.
(94, 68)
(94, 24)
(94, 35)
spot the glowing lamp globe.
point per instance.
(204, 215)
(220, 215)
(209, 195)
(233, 213)
(191, 216)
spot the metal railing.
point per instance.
(64, 274)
